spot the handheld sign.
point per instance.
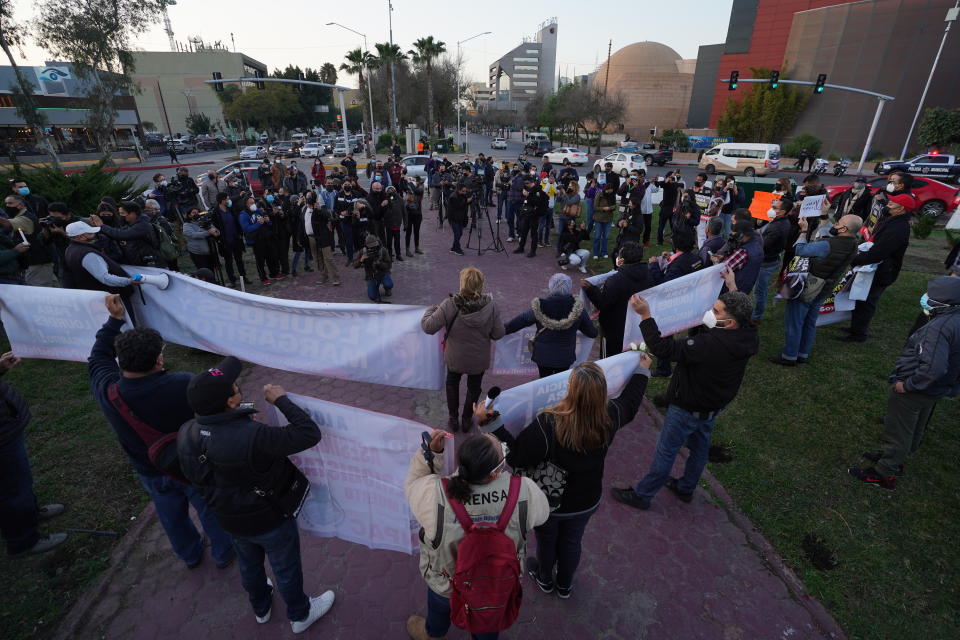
(811, 206)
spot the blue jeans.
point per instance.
(762, 289)
(501, 204)
(438, 618)
(512, 219)
(282, 547)
(727, 219)
(558, 543)
(679, 427)
(800, 327)
(589, 204)
(18, 505)
(172, 499)
(373, 286)
(543, 229)
(457, 233)
(600, 240)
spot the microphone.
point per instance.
(492, 394)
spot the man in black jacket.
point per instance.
(710, 369)
(775, 235)
(150, 394)
(137, 238)
(230, 241)
(611, 297)
(240, 467)
(533, 207)
(855, 200)
(19, 512)
(185, 191)
(457, 215)
(890, 239)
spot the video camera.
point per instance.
(205, 221)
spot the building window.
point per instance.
(535, 52)
(524, 84)
(518, 67)
(529, 91)
(526, 60)
(525, 75)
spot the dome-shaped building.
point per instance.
(656, 83)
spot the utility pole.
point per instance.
(233, 42)
(606, 80)
(393, 75)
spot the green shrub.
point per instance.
(385, 141)
(806, 141)
(922, 227)
(833, 157)
(875, 155)
(81, 191)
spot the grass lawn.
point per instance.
(76, 461)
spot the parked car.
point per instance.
(311, 150)
(180, 146)
(284, 149)
(623, 163)
(935, 197)
(750, 159)
(558, 155)
(339, 150)
(498, 143)
(416, 166)
(253, 152)
(242, 165)
(940, 165)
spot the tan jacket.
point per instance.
(473, 324)
(438, 555)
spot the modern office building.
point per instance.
(886, 46)
(655, 83)
(526, 70)
(173, 84)
(59, 95)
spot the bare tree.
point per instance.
(606, 110)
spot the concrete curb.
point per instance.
(67, 629)
(150, 167)
(821, 617)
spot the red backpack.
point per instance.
(486, 591)
(161, 447)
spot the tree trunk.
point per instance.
(430, 121)
(362, 82)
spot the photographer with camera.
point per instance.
(343, 210)
(242, 469)
(54, 229)
(393, 214)
(185, 191)
(258, 232)
(231, 243)
(278, 207)
(533, 207)
(502, 185)
(138, 240)
(375, 261)
(448, 186)
(201, 239)
(413, 217)
(458, 215)
(23, 227)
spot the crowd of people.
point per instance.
(193, 441)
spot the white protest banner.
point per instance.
(356, 474)
(518, 406)
(837, 307)
(811, 206)
(55, 324)
(363, 342)
(677, 304)
(511, 357)
(596, 281)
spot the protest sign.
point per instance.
(519, 405)
(811, 206)
(677, 304)
(55, 324)
(511, 357)
(837, 307)
(363, 342)
(761, 204)
(356, 474)
(596, 281)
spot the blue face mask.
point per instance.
(24, 191)
(269, 198)
(925, 303)
(229, 203)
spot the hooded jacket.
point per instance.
(930, 361)
(611, 299)
(471, 324)
(558, 318)
(710, 364)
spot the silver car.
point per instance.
(415, 166)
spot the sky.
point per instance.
(294, 32)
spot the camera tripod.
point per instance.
(477, 213)
(217, 266)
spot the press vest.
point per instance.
(80, 278)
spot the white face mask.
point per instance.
(709, 319)
(891, 187)
(252, 207)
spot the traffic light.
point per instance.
(774, 80)
(260, 85)
(821, 80)
(339, 118)
(734, 78)
(217, 86)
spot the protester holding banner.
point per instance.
(611, 297)
(890, 238)
(775, 235)
(574, 435)
(710, 369)
(471, 320)
(480, 490)
(829, 260)
(558, 317)
(855, 200)
(139, 398)
(240, 467)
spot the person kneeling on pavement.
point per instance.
(568, 246)
(481, 491)
(240, 467)
(375, 261)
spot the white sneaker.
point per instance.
(265, 618)
(318, 606)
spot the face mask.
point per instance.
(834, 231)
(212, 176)
(164, 183)
(858, 186)
(891, 187)
(771, 213)
(229, 203)
(269, 198)
(24, 191)
(709, 319)
(252, 207)
(925, 304)
(329, 187)
(11, 211)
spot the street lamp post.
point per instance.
(459, 61)
(393, 75)
(951, 16)
(369, 91)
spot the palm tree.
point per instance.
(357, 61)
(389, 55)
(424, 52)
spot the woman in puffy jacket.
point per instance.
(471, 321)
(558, 318)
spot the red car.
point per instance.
(934, 196)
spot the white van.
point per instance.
(536, 136)
(748, 158)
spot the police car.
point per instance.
(941, 166)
